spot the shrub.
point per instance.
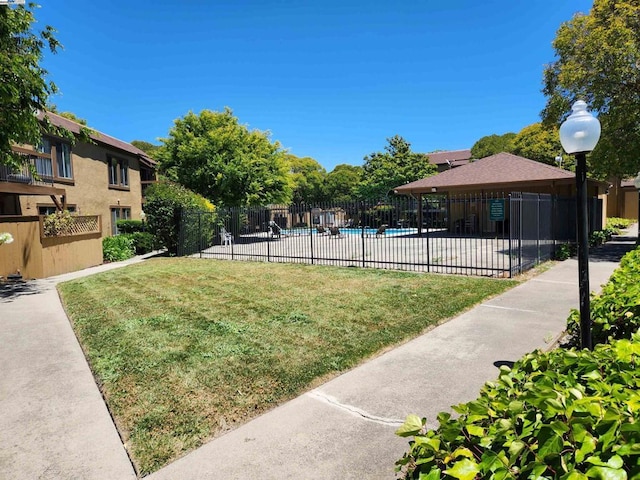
(615, 312)
(130, 226)
(165, 201)
(143, 242)
(610, 232)
(597, 237)
(57, 223)
(566, 414)
(115, 249)
(565, 251)
(619, 223)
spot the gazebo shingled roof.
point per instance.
(498, 169)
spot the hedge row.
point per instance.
(566, 415)
(616, 310)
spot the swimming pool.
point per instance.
(368, 232)
(393, 232)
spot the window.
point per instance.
(49, 209)
(119, 213)
(118, 172)
(63, 160)
(45, 167)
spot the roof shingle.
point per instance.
(455, 156)
(496, 169)
(96, 136)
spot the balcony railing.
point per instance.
(37, 169)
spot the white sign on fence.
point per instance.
(12, 2)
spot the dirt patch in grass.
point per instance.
(186, 349)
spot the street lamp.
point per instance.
(636, 183)
(579, 134)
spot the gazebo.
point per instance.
(496, 176)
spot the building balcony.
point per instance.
(35, 176)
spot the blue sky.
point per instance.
(329, 79)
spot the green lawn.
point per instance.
(186, 349)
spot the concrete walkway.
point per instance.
(54, 424)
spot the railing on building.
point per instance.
(36, 169)
(489, 235)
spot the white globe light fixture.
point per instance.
(580, 132)
(579, 135)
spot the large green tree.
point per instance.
(342, 183)
(307, 179)
(23, 84)
(215, 156)
(154, 151)
(541, 143)
(397, 165)
(492, 144)
(598, 60)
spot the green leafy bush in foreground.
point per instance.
(615, 312)
(117, 248)
(567, 414)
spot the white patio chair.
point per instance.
(226, 237)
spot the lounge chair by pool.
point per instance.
(382, 230)
(335, 232)
(274, 229)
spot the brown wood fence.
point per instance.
(34, 255)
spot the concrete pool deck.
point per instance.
(436, 252)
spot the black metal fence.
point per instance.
(489, 235)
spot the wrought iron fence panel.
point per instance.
(489, 234)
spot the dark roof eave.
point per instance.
(429, 189)
(99, 137)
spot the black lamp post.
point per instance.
(636, 183)
(579, 135)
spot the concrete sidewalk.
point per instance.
(54, 423)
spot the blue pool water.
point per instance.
(372, 231)
(392, 232)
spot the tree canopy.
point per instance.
(492, 144)
(397, 165)
(342, 183)
(147, 147)
(307, 178)
(23, 85)
(215, 156)
(598, 60)
(541, 143)
(73, 117)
